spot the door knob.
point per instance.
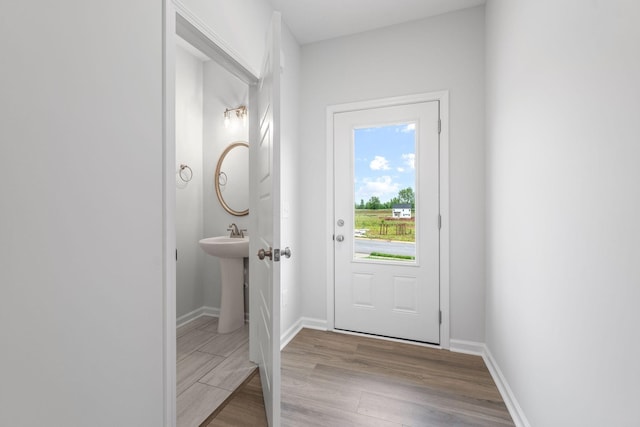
(339, 238)
(286, 252)
(262, 254)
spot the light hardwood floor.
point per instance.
(244, 409)
(335, 380)
(210, 367)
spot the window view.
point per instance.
(384, 193)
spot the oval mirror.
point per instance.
(232, 179)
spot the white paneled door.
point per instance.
(387, 221)
(265, 208)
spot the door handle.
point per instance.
(340, 238)
(274, 254)
(286, 252)
(268, 254)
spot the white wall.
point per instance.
(291, 222)
(221, 91)
(239, 25)
(189, 195)
(81, 276)
(444, 52)
(563, 207)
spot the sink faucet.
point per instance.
(233, 228)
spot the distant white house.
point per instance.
(401, 210)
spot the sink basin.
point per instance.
(226, 247)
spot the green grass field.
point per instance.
(380, 225)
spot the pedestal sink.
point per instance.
(230, 251)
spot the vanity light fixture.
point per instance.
(241, 114)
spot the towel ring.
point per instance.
(182, 173)
(222, 179)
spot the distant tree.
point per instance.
(373, 203)
(406, 195)
(361, 206)
(393, 201)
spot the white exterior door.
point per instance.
(387, 267)
(265, 209)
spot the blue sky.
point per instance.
(384, 161)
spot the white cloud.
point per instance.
(400, 169)
(379, 163)
(382, 187)
(409, 160)
(411, 127)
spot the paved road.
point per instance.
(366, 246)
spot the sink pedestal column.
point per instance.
(231, 295)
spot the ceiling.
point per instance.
(314, 20)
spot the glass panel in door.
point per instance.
(384, 193)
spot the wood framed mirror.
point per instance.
(232, 179)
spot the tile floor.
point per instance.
(210, 367)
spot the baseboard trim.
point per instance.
(303, 322)
(311, 323)
(199, 312)
(202, 311)
(211, 311)
(481, 349)
(290, 333)
(515, 410)
(467, 347)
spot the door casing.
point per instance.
(443, 97)
(180, 21)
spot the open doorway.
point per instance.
(207, 102)
(211, 136)
(264, 125)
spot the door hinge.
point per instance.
(439, 222)
(440, 317)
(439, 126)
(176, 254)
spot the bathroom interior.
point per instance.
(211, 364)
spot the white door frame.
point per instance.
(443, 97)
(179, 20)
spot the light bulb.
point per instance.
(226, 120)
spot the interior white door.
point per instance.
(387, 293)
(265, 207)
